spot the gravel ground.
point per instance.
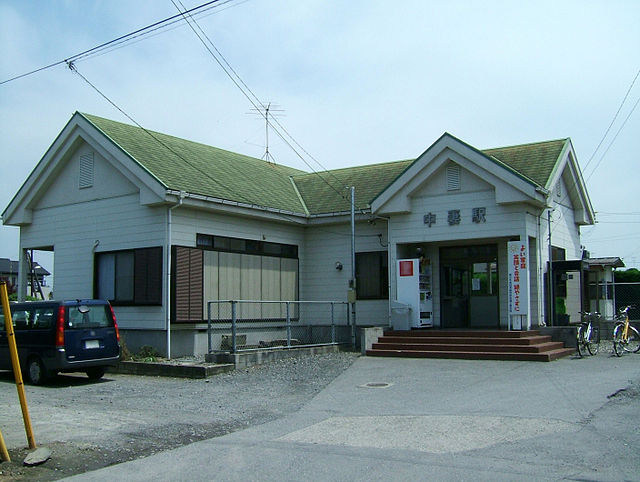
(88, 425)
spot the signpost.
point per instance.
(13, 350)
(518, 263)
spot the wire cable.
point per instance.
(74, 69)
(612, 121)
(614, 138)
(123, 38)
(251, 96)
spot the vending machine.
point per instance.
(413, 288)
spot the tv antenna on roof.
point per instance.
(264, 111)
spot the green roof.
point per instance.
(328, 191)
(196, 168)
(535, 161)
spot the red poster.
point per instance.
(406, 268)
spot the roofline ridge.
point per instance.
(297, 191)
(188, 140)
(563, 139)
(348, 168)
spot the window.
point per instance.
(372, 276)
(132, 277)
(246, 246)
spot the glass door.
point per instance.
(469, 287)
(484, 295)
(454, 283)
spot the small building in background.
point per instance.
(9, 270)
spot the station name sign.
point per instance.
(454, 217)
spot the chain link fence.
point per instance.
(242, 325)
(627, 294)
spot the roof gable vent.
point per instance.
(86, 171)
(453, 178)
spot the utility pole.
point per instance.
(550, 271)
(352, 297)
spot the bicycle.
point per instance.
(588, 335)
(625, 337)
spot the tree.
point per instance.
(631, 275)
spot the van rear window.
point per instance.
(98, 316)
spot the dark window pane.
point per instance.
(272, 249)
(253, 247)
(237, 244)
(221, 243)
(106, 276)
(204, 241)
(372, 276)
(148, 276)
(124, 276)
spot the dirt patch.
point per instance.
(90, 425)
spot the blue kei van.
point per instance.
(61, 336)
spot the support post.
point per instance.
(353, 264)
(550, 272)
(233, 327)
(13, 350)
(209, 350)
(288, 324)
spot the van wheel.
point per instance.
(95, 373)
(36, 372)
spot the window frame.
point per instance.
(144, 261)
(214, 242)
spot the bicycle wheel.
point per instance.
(617, 339)
(632, 344)
(581, 342)
(593, 341)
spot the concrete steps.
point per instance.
(469, 345)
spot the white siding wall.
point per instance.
(320, 280)
(187, 222)
(117, 223)
(503, 221)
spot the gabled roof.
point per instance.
(612, 261)
(328, 191)
(535, 161)
(198, 169)
(183, 165)
(8, 266)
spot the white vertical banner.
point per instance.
(518, 263)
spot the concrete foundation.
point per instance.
(257, 357)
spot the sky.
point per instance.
(355, 82)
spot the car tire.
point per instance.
(36, 371)
(95, 373)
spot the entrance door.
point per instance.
(469, 287)
(454, 283)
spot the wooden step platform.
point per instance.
(469, 345)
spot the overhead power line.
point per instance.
(612, 121)
(614, 138)
(112, 44)
(240, 197)
(282, 133)
(582, 172)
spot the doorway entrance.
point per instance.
(469, 287)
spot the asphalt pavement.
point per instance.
(422, 419)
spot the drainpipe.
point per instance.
(181, 197)
(550, 272)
